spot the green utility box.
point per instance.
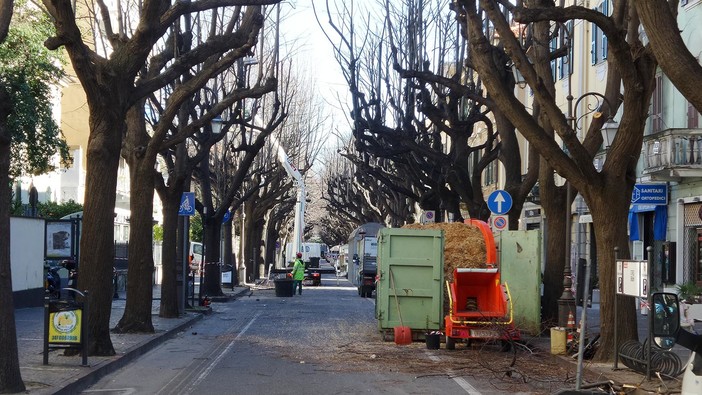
(409, 291)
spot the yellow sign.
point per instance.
(64, 326)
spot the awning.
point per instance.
(660, 220)
(660, 223)
(633, 226)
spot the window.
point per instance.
(598, 47)
(657, 104)
(490, 174)
(553, 45)
(565, 62)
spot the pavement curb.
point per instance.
(119, 362)
(135, 352)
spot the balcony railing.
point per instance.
(673, 154)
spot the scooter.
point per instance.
(53, 282)
(667, 331)
(72, 268)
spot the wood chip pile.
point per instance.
(464, 245)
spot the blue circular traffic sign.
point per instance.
(499, 202)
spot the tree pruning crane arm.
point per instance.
(299, 182)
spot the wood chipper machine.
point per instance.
(479, 308)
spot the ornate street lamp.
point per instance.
(609, 131)
(217, 124)
(518, 77)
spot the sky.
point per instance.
(301, 33)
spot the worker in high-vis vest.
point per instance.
(298, 273)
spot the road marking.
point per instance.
(215, 361)
(120, 391)
(463, 383)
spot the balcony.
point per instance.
(673, 154)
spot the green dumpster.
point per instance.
(409, 291)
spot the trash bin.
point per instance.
(283, 287)
(433, 341)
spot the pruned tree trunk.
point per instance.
(213, 275)
(611, 214)
(554, 234)
(169, 258)
(672, 53)
(98, 232)
(140, 270)
(10, 376)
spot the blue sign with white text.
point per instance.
(656, 194)
(187, 204)
(499, 202)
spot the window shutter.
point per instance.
(569, 26)
(605, 11)
(692, 116)
(657, 120)
(554, 64)
(593, 44)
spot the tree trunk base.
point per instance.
(99, 350)
(168, 314)
(134, 327)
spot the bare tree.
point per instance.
(607, 192)
(109, 79)
(666, 43)
(350, 204)
(301, 137)
(419, 106)
(239, 186)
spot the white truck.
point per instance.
(311, 253)
(362, 257)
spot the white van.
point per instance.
(196, 251)
(311, 253)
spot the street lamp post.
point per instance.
(566, 303)
(216, 125)
(608, 131)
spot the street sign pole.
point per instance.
(186, 209)
(184, 270)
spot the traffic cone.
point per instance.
(571, 326)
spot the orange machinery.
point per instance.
(480, 307)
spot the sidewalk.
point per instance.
(64, 375)
(622, 375)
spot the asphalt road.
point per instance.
(323, 342)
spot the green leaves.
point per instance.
(29, 73)
(55, 210)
